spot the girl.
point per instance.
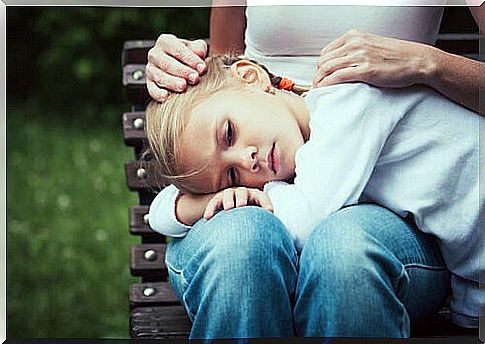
(409, 150)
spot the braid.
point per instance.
(279, 82)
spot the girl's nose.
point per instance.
(249, 159)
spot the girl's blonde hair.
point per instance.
(166, 121)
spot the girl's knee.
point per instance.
(244, 236)
(247, 227)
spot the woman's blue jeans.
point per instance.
(363, 272)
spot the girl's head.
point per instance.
(232, 128)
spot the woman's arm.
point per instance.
(227, 27)
(456, 77)
(389, 62)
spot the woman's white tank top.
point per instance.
(288, 39)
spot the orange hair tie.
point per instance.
(286, 84)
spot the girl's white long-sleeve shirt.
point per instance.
(410, 150)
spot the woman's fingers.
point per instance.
(157, 93)
(172, 64)
(331, 66)
(335, 44)
(199, 46)
(176, 48)
(344, 75)
(164, 80)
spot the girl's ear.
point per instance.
(251, 74)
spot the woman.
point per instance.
(238, 275)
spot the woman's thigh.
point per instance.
(367, 264)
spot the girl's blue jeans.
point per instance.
(363, 272)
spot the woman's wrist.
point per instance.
(429, 66)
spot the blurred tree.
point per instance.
(66, 60)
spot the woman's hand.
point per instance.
(235, 198)
(377, 60)
(173, 62)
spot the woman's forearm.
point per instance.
(227, 27)
(456, 77)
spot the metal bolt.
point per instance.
(150, 255)
(138, 74)
(141, 173)
(138, 123)
(145, 219)
(149, 291)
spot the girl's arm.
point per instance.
(350, 124)
(173, 213)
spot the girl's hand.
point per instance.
(235, 198)
(173, 62)
(376, 60)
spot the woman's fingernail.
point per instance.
(192, 77)
(200, 67)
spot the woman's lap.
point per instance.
(364, 271)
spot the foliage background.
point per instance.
(67, 200)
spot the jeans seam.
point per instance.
(397, 283)
(185, 284)
(187, 309)
(422, 266)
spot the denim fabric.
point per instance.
(363, 272)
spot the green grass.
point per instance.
(67, 228)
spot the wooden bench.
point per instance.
(155, 311)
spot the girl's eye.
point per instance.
(229, 133)
(232, 176)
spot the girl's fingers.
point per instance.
(228, 199)
(262, 199)
(242, 195)
(213, 206)
(332, 66)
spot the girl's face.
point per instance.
(246, 137)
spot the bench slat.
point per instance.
(138, 226)
(135, 51)
(148, 260)
(134, 128)
(141, 175)
(159, 322)
(152, 294)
